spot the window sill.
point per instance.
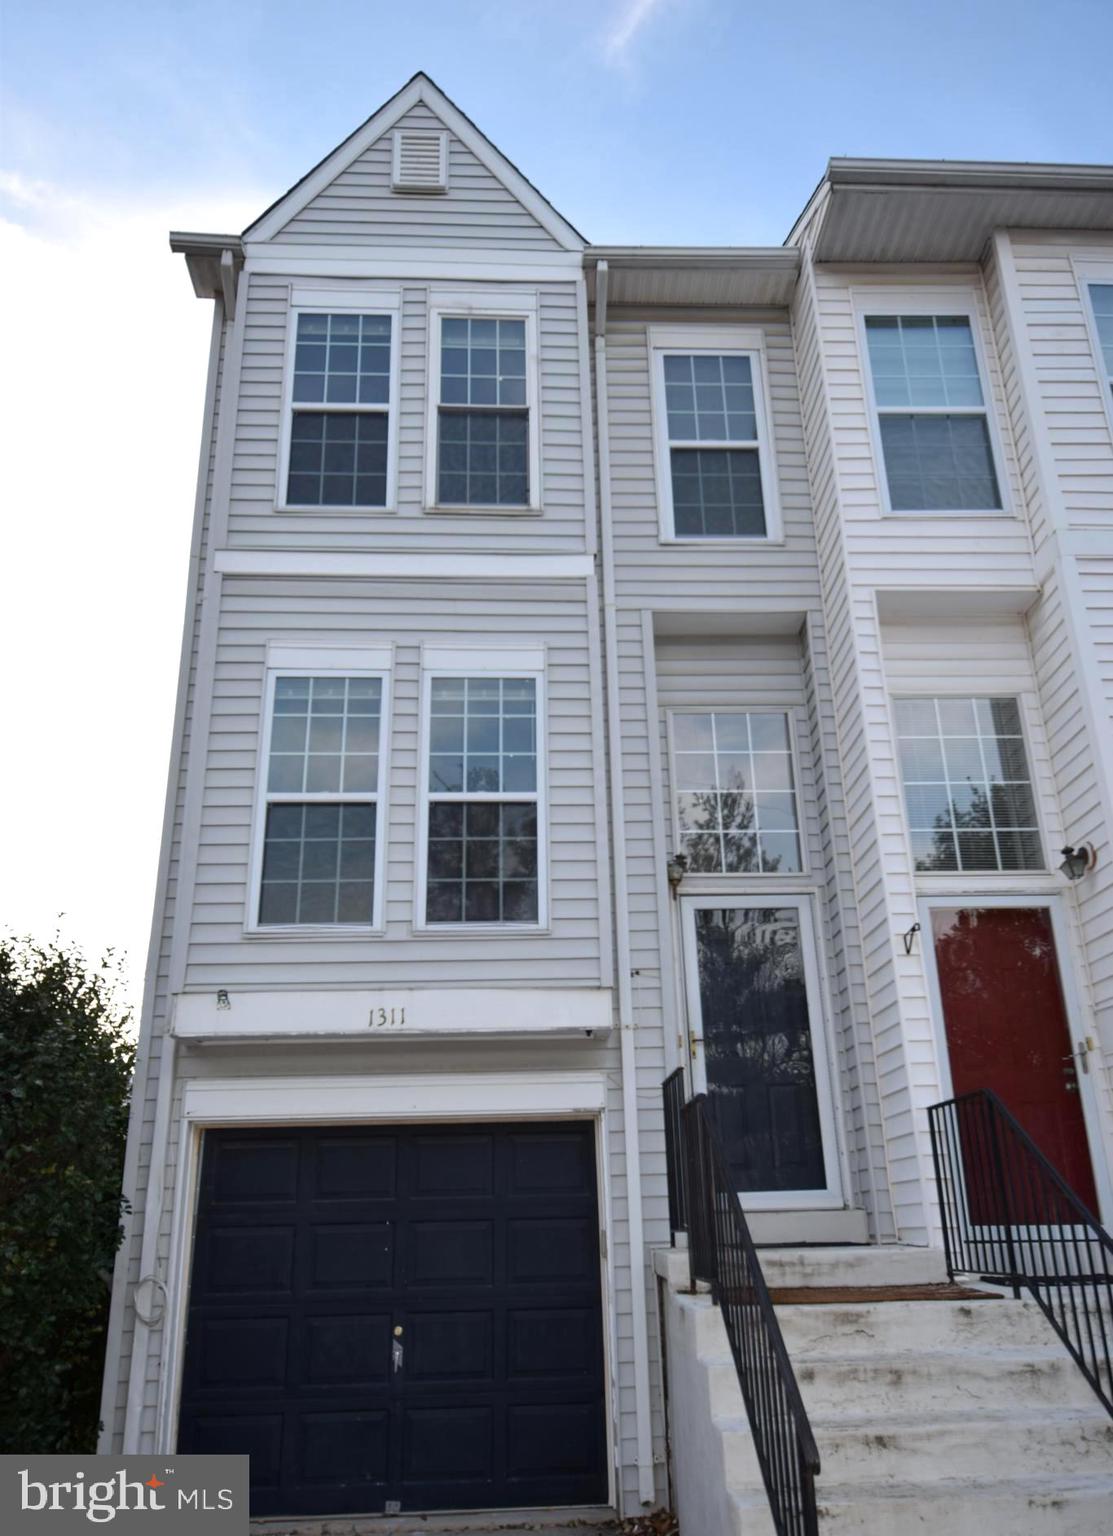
(741, 540)
(480, 511)
(480, 930)
(995, 513)
(320, 932)
(288, 510)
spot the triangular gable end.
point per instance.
(353, 183)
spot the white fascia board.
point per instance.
(419, 89)
(394, 1012)
(416, 566)
(412, 263)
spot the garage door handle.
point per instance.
(396, 1354)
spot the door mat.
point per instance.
(847, 1295)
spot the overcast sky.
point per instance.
(672, 121)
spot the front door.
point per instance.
(399, 1317)
(758, 1048)
(1007, 1027)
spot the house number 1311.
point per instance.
(379, 1018)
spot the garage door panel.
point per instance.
(450, 1166)
(346, 1167)
(242, 1353)
(554, 1342)
(353, 1256)
(255, 1172)
(544, 1251)
(450, 1253)
(314, 1245)
(238, 1259)
(342, 1350)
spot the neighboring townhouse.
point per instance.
(600, 661)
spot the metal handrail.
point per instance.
(721, 1253)
(1009, 1216)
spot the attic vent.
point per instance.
(420, 161)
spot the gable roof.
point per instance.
(420, 88)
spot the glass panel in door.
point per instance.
(758, 1049)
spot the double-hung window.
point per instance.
(342, 386)
(483, 801)
(319, 845)
(967, 784)
(1101, 298)
(483, 443)
(734, 792)
(714, 459)
(933, 424)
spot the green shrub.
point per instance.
(65, 1075)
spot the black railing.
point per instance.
(721, 1253)
(1010, 1217)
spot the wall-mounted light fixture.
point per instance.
(223, 1001)
(1078, 861)
(676, 869)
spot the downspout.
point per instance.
(647, 1482)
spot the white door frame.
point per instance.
(459, 1097)
(1072, 1003)
(831, 1196)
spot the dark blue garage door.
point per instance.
(399, 1317)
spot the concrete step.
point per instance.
(853, 1266)
(1035, 1506)
(918, 1381)
(924, 1450)
(875, 1327)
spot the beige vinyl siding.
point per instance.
(1072, 391)
(359, 208)
(352, 613)
(253, 521)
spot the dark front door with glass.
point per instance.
(757, 1047)
(399, 1318)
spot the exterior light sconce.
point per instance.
(223, 1001)
(1078, 861)
(676, 869)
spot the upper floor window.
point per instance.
(735, 793)
(1101, 297)
(484, 434)
(967, 784)
(320, 812)
(338, 448)
(713, 470)
(934, 427)
(482, 802)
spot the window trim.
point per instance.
(1088, 274)
(288, 661)
(326, 301)
(967, 880)
(507, 304)
(716, 341)
(740, 877)
(932, 301)
(480, 661)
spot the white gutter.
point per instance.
(626, 1021)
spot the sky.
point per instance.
(643, 121)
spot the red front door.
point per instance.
(1007, 1026)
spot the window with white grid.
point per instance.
(321, 806)
(341, 387)
(483, 412)
(713, 444)
(735, 792)
(967, 784)
(934, 426)
(482, 801)
(1101, 297)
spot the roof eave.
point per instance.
(204, 256)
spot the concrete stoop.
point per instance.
(960, 1416)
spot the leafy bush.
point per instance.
(65, 1075)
